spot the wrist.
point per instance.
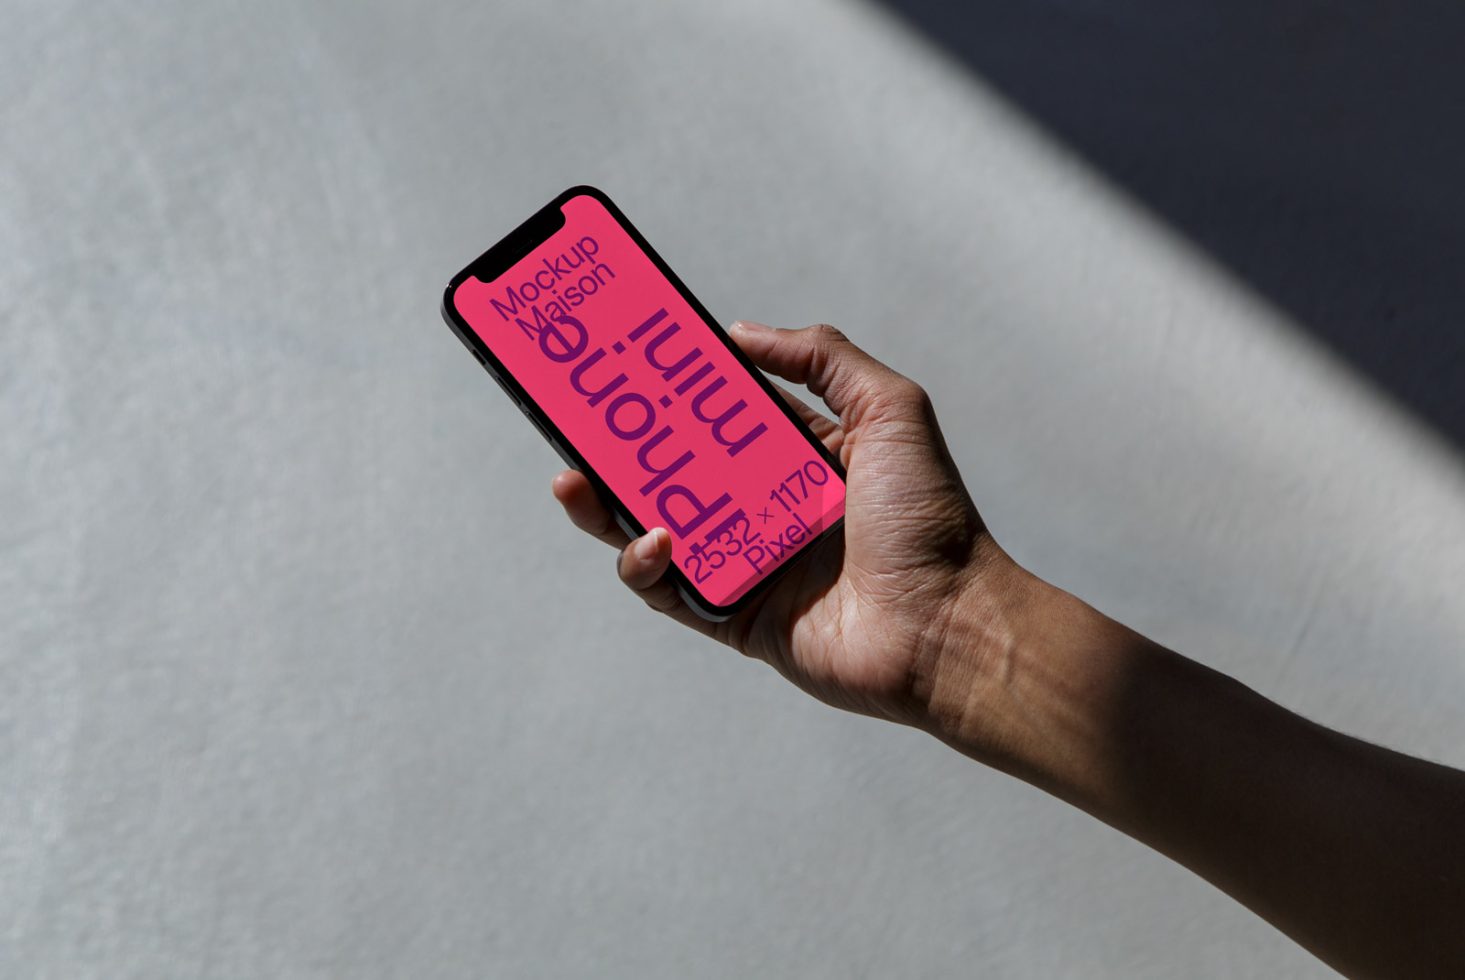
(1019, 676)
(971, 651)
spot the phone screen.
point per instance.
(629, 372)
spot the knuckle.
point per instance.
(900, 397)
(826, 333)
(820, 375)
(916, 396)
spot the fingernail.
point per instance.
(748, 326)
(647, 545)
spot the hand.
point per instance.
(917, 616)
(859, 623)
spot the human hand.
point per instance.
(915, 615)
(861, 623)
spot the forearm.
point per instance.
(1354, 851)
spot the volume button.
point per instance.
(533, 421)
(499, 381)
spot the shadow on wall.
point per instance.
(1315, 148)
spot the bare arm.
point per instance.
(1356, 852)
(919, 617)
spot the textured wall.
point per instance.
(281, 688)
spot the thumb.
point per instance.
(851, 382)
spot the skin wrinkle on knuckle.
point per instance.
(827, 333)
(903, 401)
(904, 441)
(817, 370)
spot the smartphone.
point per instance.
(633, 383)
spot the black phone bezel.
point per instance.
(515, 246)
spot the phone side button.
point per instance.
(562, 454)
(499, 381)
(553, 443)
(533, 421)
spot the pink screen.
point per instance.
(668, 417)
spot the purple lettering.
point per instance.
(643, 456)
(651, 321)
(568, 332)
(630, 398)
(717, 424)
(669, 371)
(594, 398)
(699, 512)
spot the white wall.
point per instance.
(282, 687)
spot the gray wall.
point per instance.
(281, 693)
